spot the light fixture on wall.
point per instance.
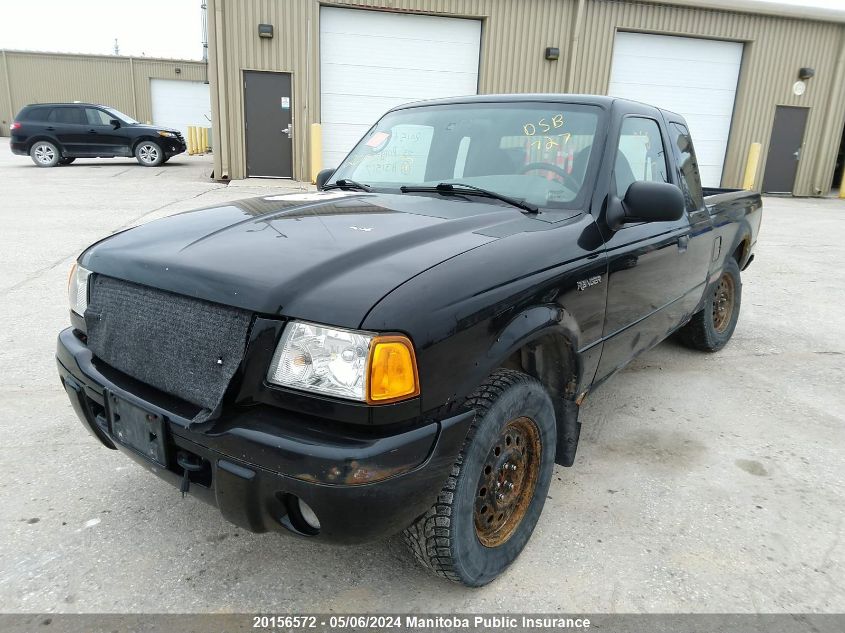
(177, 70)
(552, 53)
(806, 73)
(265, 30)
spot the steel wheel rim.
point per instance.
(44, 154)
(148, 153)
(723, 303)
(507, 482)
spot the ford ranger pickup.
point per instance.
(406, 349)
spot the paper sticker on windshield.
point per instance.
(378, 139)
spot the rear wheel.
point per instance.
(67, 160)
(45, 154)
(710, 329)
(149, 154)
(487, 510)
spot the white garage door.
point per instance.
(179, 104)
(694, 77)
(371, 61)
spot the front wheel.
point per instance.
(149, 154)
(45, 154)
(487, 510)
(710, 329)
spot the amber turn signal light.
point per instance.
(392, 371)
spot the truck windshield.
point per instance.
(533, 152)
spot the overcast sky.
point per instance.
(155, 28)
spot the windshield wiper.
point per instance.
(459, 188)
(345, 183)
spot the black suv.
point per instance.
(59, 133)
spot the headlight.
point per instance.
(345, 363)
(166, 134)
(77, 289)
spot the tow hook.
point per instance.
(190, 464)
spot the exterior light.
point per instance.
(265, 30)
(552, 53)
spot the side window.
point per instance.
(68, 115)
(37, 114)
(640, 156)
(97, 117)
(690, 178)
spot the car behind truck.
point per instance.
(406, 349)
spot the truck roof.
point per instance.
(603, 101)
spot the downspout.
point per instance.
(573, 46)
(8, 87)
(217, 58)
(134, 90)
(832, 129)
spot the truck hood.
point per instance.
(326, 256)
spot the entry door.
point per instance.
(785, 149)
(268, 107)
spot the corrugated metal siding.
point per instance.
(775, 48)
(514, 36)
(44, 77)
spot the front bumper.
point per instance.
(258, 461)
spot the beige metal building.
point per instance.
(144, 88)
(740, 73)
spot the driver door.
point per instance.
(647, 275)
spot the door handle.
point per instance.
(50, 128)
(288, 130)
(92, 131)
(683, 243)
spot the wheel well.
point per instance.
(551, 360)
(138, 141)
(32, 141)
(741, 251)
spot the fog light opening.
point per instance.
(299, 516)
(308, 515)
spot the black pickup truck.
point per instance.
(407, 348)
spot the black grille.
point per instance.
(183, 346)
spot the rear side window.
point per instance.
(641, 155)
(688, 165)
(35, 114)
(67, 115)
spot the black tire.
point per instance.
(710, 329)
(149, 154)
(446, 539)
(67, 160)
(45, 154)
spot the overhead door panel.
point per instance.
(694, 77)
(178, 104)
(371, 61)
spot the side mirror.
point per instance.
(115, 123)
(648, 202)
(323, 177)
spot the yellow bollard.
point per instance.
(189, 139)
(842, 184)
(195, 139)
(204, 140)
(316, 148)
(751, 165)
